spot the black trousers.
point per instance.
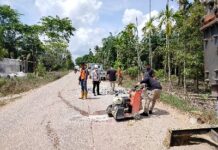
(96, 84)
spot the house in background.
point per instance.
(12, 66)
(210, 30)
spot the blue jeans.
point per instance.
(83, 84)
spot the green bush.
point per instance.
(40, 70)
(19, 85)
(31, 76)
(2, 81)
(117, 64)
(132, 72)
(69, 63)
(159, 73)
(174, 78)
(3, 52)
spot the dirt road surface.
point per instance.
(53, 118)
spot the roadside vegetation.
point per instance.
(44, 44)
(31, 81)
(176, 46)
(177, 102)
(203, 116)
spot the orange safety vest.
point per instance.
(83, 74)
(119, 73)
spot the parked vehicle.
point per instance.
(76, 68)
(103, 75)
(102, 72)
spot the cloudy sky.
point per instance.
(93, 19)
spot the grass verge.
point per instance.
(203, 116)
(19, 85)
(176, 102)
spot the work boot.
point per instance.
(144, 114)
(82, 95)
(150, 112)
(85, 95)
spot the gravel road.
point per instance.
(53, 118)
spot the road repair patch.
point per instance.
(95, 118)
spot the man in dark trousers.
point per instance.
(83, 81)
(96, 79)
(153, 92)
(112, 78)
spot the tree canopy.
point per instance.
(176, 43)
(45, 42)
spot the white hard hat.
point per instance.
(96, 66)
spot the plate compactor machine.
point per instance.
(124, 107)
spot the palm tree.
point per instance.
(182, 4)
(149, 29)
(127, 40)
(166, 18)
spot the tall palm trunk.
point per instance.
(168, 52)
(184, 68)
(184, 76)
(168, 60)
(168, 63)
(150, 50)
(165, 67)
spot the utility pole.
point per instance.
(137, 48)
(150, 50)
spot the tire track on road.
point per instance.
(91, 128)
(92, 134)
(82, 112)
(53, 136)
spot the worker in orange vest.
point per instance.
(83, 81)
(119, 75)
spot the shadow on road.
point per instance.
(157, 112)
(160, 112)
(90, 98)
(99, 112)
